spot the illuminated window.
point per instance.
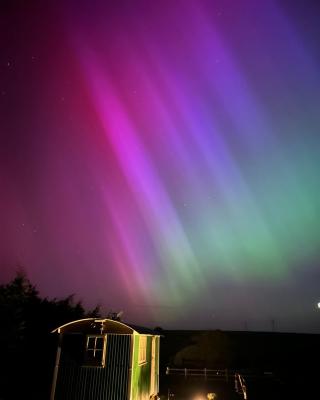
(142, 349)
(95, 350)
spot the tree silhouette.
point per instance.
(28, 348)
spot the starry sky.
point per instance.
(163, 157)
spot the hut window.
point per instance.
(142, 349)
(95, 350)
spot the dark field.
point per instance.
(274, 365)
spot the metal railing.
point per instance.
(217, 375)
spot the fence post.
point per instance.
(185, 373)
(227, 376)
(205, 373)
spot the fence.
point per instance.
(207, 374)
(225, 375)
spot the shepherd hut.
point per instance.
(104, 359)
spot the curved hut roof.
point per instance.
(101, 326)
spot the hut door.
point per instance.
(153, 366)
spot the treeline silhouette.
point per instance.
(27, 345)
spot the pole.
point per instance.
(56, 368)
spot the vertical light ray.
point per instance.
(155, 206)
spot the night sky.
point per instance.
(162, 158)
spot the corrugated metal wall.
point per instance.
(91, 383)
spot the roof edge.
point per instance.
(58, 329)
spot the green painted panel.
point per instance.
(141, 376)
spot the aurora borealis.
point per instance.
(162, 157)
